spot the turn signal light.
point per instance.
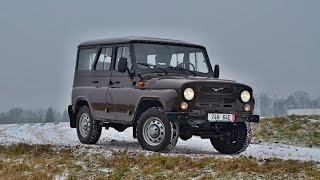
(184, 105)
(140, 83)
(247, 107)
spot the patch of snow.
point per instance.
(82, 164)
(314, 120)
(112, 141)
(62, 176)
(304, 111)
(105, 170)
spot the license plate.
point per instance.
(213, 117)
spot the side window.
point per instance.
(104, 61)
(151, 59)
(86, 59)
(123, 52)
(176, 59)
(198, 60)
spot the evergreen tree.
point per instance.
(65, 116)
(50, 116)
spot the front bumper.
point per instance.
(199, 118)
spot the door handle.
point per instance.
(114, 82)
(95, 81)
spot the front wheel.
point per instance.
(233, 139)
(155, 132)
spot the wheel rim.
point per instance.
(232, 135)
(153, 131)
(84, 125)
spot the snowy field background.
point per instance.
(62, 134)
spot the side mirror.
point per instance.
(216, 72)
(123, 65)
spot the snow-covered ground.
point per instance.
(62, 134)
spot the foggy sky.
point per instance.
(274, 46)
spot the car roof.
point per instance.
(123, 40)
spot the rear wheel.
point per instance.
(88, 129)
(234, 138)
(155, 132)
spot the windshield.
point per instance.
(171, 58)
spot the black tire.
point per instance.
(170, 131)
(236, 142)
(94, 128)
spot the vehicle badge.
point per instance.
(217, 89)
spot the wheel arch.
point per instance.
(145, 103)
(80, 101)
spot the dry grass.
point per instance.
(47, 162)
(295, 130)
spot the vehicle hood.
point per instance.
(178, 82)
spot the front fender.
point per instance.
(167, 97)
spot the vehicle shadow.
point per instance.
(178, 150)
(191, 151)
(130, 145)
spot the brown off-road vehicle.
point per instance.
(164, 89)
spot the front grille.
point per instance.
(215, 102)
(212, 99)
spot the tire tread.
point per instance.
(233, 150)
(97, 128)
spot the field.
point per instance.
(293, 130)
(283, 147)
(47, 162)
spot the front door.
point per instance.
(121, 87)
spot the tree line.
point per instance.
(20, 115)
(271, 105)
(266, 105)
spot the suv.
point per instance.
(164, 89)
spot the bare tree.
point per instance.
(15, 115)
(280, 107)
(316, 103)
(302, 98)
(291, 102)
(3, 118)
(40, 115)
(264, 103)
(57, 115)
(28, 116)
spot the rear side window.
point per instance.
(86, 59)
(104, 61)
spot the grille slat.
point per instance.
(206, 101)
(215, 96)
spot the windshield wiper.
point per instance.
(181, 68)
(151, 65)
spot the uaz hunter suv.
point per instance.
(164, 89)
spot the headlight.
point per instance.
(188, 94)
(245, 96)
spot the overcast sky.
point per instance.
(274, 46)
